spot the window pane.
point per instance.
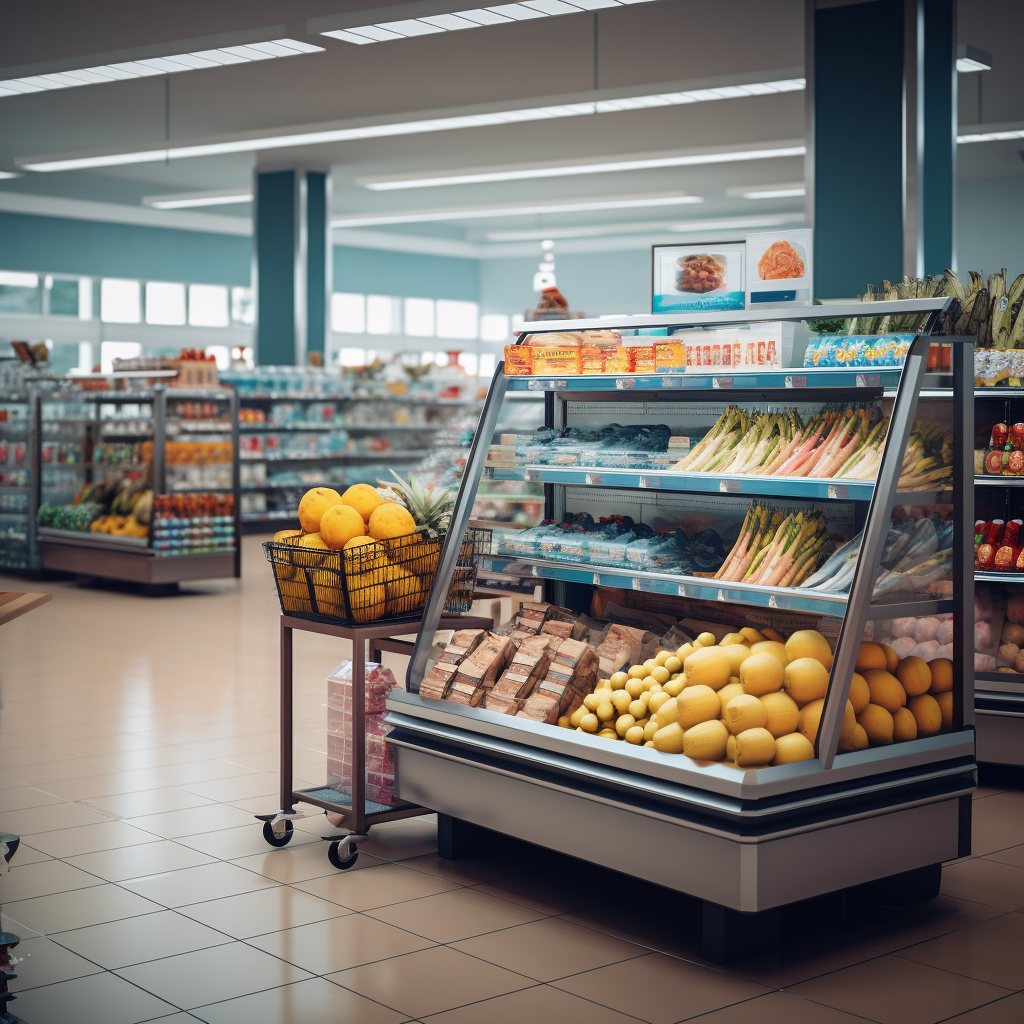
(20, 293)
(353, 357)
(120, 301)
(242, 310)
(494, 327)
(165, 303)
(85, 363)
(63, 297)
(222, 354)
(348, 313)
(468, 361)
(419, 318)
(486, 365)
(207, 305)
(111, 350)
(457, 319)
(85, 298)
(381, 314)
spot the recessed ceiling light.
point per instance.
(568, 170)
(10, 174)
(512, 210)
(503, 14)
(438, 124)
(182, 200)
(775, 193)
(157, 66)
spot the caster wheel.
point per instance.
(274, 839)
(342, 864)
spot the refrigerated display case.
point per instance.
(17, 514)
(178, 446)
(780, 497)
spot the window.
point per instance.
(353, 357)
(518, 323)
(469, 362)
(382, 315)
(348, 313)
(85, 298)
(63, 296)
(457, 319)
(222, 354)
(20, 293)
(85, 363)
(120, 301)
(165, 303)
(493, 327)
(242, 309)
(111, 350)
(419, 318)
(207, 305)
(486, 365)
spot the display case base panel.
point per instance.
(134, 566)
(1000, 733)
(743, 872)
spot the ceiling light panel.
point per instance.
(502, 14)
(184, 200)
(775, 193)
(991, 136)
(171, 65)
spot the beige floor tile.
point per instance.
(459, 914)
(14, 757)
(315, 824)
(150, 801)
(240, 787)
(197, 885)
(1014, 855)
(183, 773)
(43, 879)
(985, 952)
(263, 911)
(1008, 806)
(660, 989)
(429, 981)
(140, 939)
(985, 791)
(107, 835)
(117, 743)
(986, 881)
(545, 892)
(540, 1003)
(174, 824)
(316, 1001)
(33, 820)
(473, 870)
(26, 855)
(95, 786)
(299, 863)
(375, 887)
(1005, 1011)
(777, 1008)
(79, 909)
(893, 990)
(669, 921)
(58, 771)
(148, 760)
(339, 943)
(211, 975)
(989, 835)
(44, 962)
(97, 999)
(549, 949)
(138, 861)
(258, 804)
(399, 840)
(17, 798)
(244, 841)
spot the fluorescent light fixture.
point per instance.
(569, 170)
(991, 136)
(157, 66)
(9, 174)
(182, 200)
(970, 58)
(775, 193)
(503, 14)
(14, 279)
(514, 210)
(643, 228)
(437, 124)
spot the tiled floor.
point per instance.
(138, 738)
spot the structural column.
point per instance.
(291, 264)
(881, 140)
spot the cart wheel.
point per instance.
(342, 864)
(273, 838)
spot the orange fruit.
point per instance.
(340, 523)
(314, 504)
(942, 675)
(389, 520)
(363, 498)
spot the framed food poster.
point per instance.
(779, 267)
(698, 277)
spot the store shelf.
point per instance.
(999, 481)
(991, 576)
(285, 396)
(107, 542)
(340, 456)
(267, 428)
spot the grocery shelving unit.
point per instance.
(746, 842)
(68, 424)
(17, 472)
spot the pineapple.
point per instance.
(432, 510)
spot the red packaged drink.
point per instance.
(716, 356)
(761, 352)
(1012, 532)
(772, 356)
(1000, 432)
(737, 353)
(1017, 435)
(994, 462)
(994, 532)
(1020, 561)
(1006, 557)
(751, 359)
(706, 355)
(727, 354)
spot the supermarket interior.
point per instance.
(512, 512)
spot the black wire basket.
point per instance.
(376, 582)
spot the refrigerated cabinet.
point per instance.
(744, 841)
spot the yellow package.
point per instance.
(518, 360)
(556, 360)
(592, 359)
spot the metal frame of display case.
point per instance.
(134, 560)
(729, 837)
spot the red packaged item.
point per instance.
(1012, 532)
(1000, 432)
(1017, 435)
(994, 532)
(1006, 557)
(994, 462)
(1020, 561)
(984, 557)
(1015, 463)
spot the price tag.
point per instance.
(671, 382)
(869, 380)
(721, 382)
(729, 485)
(838, 491)
(636, 583)
(535, 570)
(594, 478)
(622, 383)
(528, 476)
(597, 580)
(721, 595)
(682, 590)
(797, 381)
(650, 481)
(772, 603)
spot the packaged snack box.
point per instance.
(617, 360)
(670, 357)
(518, 361)
(556, 360)
(643, 359)
(592, 359)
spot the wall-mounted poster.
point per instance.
(699, 277)
(779, 267)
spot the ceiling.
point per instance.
(644, 49)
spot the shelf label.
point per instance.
(721, 595)
(527, 476)
(772, 603)
(869, 380)
(798, 380)
(671, 382)
(623, 383)
(729, 485)
(546, 385)
(535, 570)
(594, 478)
(838, 491)
(682, 590)
(721, 382)
(597, 580)
(636, 583)
(650, 481)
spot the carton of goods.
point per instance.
(533, 616)
(518, 681)
(643, 359)
(556, 361)
(518, 360)
(621, 646)
(592, 359)
(617, 360)
(670, 357)
(438, 680)
(478, 672)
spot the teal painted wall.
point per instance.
(378, 272)
(60, 245)
(988, 218)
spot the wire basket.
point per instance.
(382, 582)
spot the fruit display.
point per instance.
(117, 508)
(999, 628)
(193, 524)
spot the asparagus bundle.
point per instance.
(928, 458)
(776, 547)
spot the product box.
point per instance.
(617, 360)
(592, 360)
(670, 356)
(565, 361)
(643, 359)
(780, 267)
(699, 277)
(518, 360)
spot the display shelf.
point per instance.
(999, 481)
(339, 456)
(989, 576)
(79, 538)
